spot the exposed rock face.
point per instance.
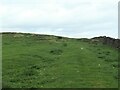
(109, 41)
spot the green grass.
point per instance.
(31, 61)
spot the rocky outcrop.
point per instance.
(108, 41)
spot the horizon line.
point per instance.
(57, 35)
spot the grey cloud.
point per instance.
(75, 18)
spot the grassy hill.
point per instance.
(43, 61)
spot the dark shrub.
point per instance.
(59, 37)
(99, 53)
(109, 60)
(30, 72)
(115, 65)
(35, 67)
(102, 57)
(98, 49)
(56, 51)
(64, 44)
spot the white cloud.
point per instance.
(73, 18)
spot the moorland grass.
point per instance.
(31, 61)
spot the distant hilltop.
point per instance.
(102, 39)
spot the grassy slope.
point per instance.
(31, 62)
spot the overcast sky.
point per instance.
(71, 18)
